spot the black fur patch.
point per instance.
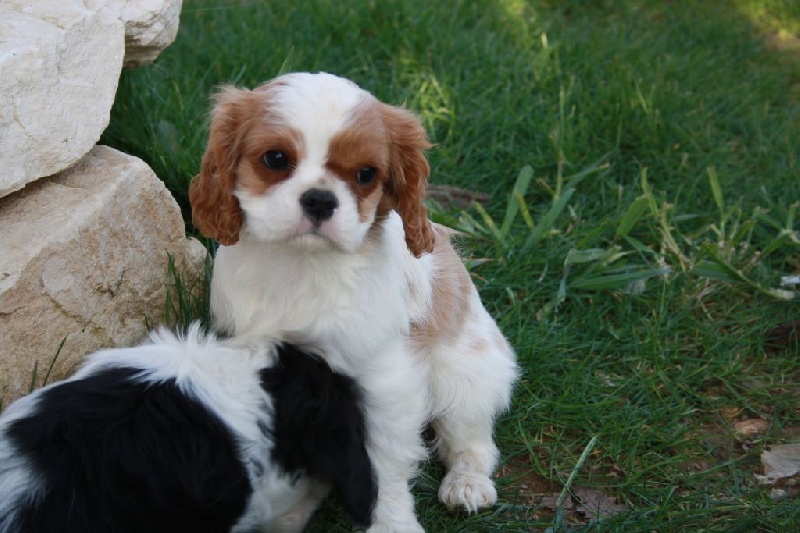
(319, 429)
(121, 456)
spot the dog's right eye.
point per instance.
(366, 175)
(275, 160)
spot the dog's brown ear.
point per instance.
(215, 210)
(408, 176)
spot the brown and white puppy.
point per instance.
(314, 189)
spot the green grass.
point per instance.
(634, 265)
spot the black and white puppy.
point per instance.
(185, 434)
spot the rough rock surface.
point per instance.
(61, 63)
(83, 259)
(150, 26)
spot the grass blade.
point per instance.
(32, 384)
(523, 208)
(716, 190)
(713, 253)
(562, 496)
(631, 217)
(575, 257)
(520, 188)
(288, 60)
(661, 214)
(489, 222)
(615, 281)
(573, 180)
(546, 224)
(53, 362)
(711, 270)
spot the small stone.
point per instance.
(778, 494)
(750, 428)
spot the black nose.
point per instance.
(318, 205)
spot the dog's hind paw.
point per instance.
(471, 491)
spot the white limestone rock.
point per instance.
(61, 63)
(83, 258)
(150, 26)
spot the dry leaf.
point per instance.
(595, 504)
(450, 196)
(747, 429)
(549, 502)
(782, 461)
(731, 412)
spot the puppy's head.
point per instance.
(311, 160)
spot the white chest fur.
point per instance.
(358, 302)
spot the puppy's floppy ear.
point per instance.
(215, 210)
(408, 175)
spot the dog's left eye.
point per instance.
(275, 160)
(366, 175)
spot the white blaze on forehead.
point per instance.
(319, 105)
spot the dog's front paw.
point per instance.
(405, 527)
(469, 490)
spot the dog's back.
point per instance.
(179, 435)
(98, 440)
